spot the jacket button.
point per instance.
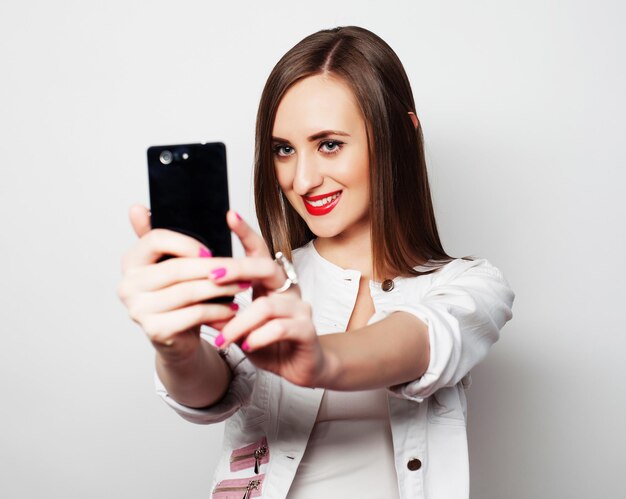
(414, 464)
(387, 285)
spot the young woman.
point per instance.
(344, 373)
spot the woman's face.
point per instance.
(321, 156)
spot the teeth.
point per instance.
(322, 202)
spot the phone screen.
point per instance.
(189, 192)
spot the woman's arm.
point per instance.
(456, 322)
(198, 381)
(278, 335)
(389, 352)
(413, 348)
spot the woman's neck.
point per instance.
(354, 252)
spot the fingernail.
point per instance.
(205, 253)
(238, 216)
(234, 306)
(244, 284)
(217, 273)
(219, 340)
(244, 346)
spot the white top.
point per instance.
(350, 450)
(464, 304)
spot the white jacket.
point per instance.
(464, 304)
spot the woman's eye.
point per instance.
(283, 151)
(331, 146)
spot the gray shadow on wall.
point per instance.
(501, 414)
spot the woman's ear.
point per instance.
(414, 119)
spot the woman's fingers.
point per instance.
(223, 271)
(274, 331)
(261, 311)
(172, 271)
(140, 219)
(253, 243)
(158, 242)
(161, 328)
(219, 325)
(264, 270)
(177, 296)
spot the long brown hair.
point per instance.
(403, 228)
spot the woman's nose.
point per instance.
(308, 175)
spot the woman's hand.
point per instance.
(276, 331)
(167, 299)
(278, 335)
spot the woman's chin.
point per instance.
(324, 231)
(327, 228)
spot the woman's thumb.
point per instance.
(139, 219)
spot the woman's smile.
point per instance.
(322, 204)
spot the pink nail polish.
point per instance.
(244, 284)
(245, 347)
(219, 340)
(217, 273)
(238, 216)
(205, 253)
(234, 306)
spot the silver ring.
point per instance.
(287, 266)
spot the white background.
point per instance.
(522, 107)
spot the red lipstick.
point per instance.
(323, 209)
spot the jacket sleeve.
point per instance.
(465, 306)
(239, 391)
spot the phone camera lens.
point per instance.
(166, 157)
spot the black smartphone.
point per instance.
(189, 192)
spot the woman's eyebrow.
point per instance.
(278, 139)
(326, 133)
(317, 136)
